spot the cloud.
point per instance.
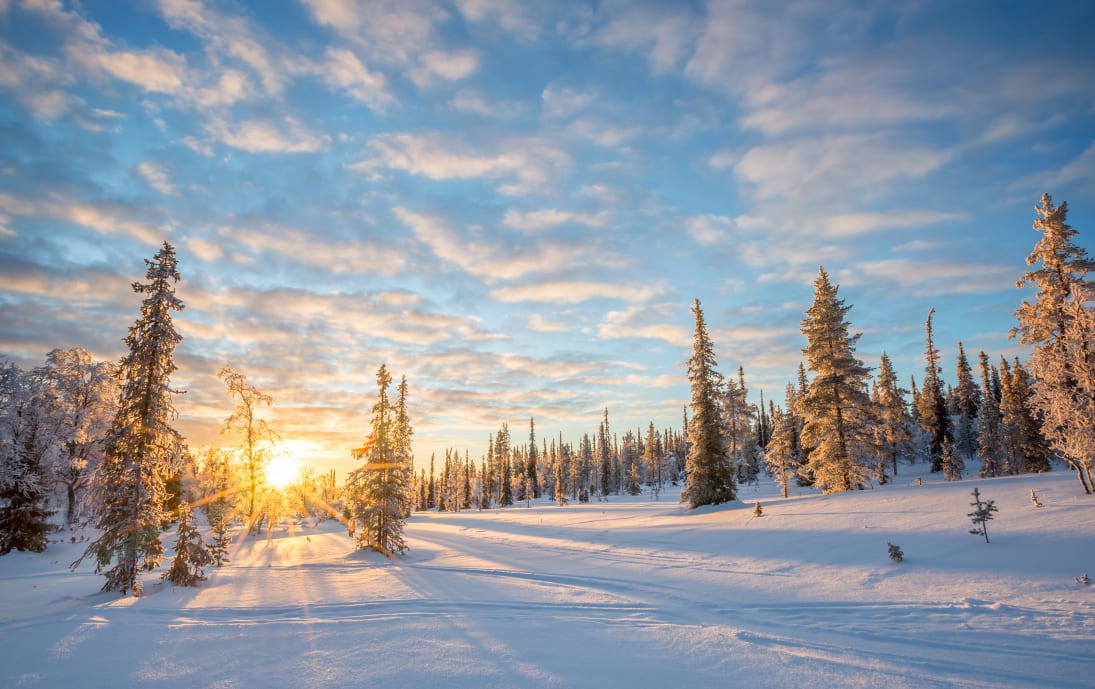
(710, 230)
(510, 15)
(1080, 169)
(666, 37)
(561, 101)
(539, 324)
(265, 136)
(577, 291)
(854, 224)
(826, 168)
(104, 218)
(518, 166)
(934, 278)
(157, 178)
(647, 321)
(548, 217)
(489, 260)
(343, 70)
(311, 249)
(474, 101)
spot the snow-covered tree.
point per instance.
(981, 515)
(26, 433)
(710, 472)
(254, 442)
(1025, 450)
(990, 439)
(191, 555)
(653, 458)
(1064, 392)
(216, 482)
(931, 407)
(82, 394)
(142, 448)
(1057, 324)
(836, 408)
(951, 461)
(967, 404)
(376, 491)
(781, 456)
(739, 419)
(893, 433)
(402, 445)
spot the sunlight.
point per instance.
(282, 471)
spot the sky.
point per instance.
(515, 204)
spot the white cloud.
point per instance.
(666, 36)
(577, 291)
(853, 224)
(264, 136)
(157, 178)
(490, 260)
(518, 165)
(538, 323)
(710, 230)
(548, 217)
(508, 14)
(831, 167)
(343, 70)
(471, 100)
(562, 101)
(447, 65)
(931, 278)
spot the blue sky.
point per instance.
(514, 204)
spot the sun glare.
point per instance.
(282, 471)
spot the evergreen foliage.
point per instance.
(893, 436)
(376, 492)
(836, 409)
(981, 515)
(895, 552)
(931, 407)
(142, 448)
(990, 439)
(191, 555)
(710, 473)
(24, 480)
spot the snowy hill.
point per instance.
(627, 593)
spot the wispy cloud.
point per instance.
(268, 136)
(548, 217)
(157, 178)
(853, 224)
(577, 291)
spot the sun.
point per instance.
(281, 471)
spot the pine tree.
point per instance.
(1058, 326)
(1026, 450)
(990, 439)
(215, 481)
(652, 457)
(402, 447)
(708, 465)
(967, 403)
(781, 456)
(191, 555)
(531, 469)
(836, 409)
(981, 515)
(25, 440)
(931, 406)
(951, 461)
(1068, 418)
(142, 447)
(894, 436)
(376, 491)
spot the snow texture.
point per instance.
(627, 593)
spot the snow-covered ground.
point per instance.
(627, 593)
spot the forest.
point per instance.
(87, 443)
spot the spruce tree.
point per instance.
(142, 447)
(894, 436)
(1025, 448)
(967, 401)
(1058, 325)
(25, 440)
(931, 406)
(781, 456)
(376, 491)
(710, 473)
(191, 555)
(402, 435)
(990, 439)
(836, 408)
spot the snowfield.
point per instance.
(625, 593)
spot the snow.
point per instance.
(625, 593)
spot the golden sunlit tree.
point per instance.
(255, 443)
(376, 492)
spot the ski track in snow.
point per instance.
(629, 593)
